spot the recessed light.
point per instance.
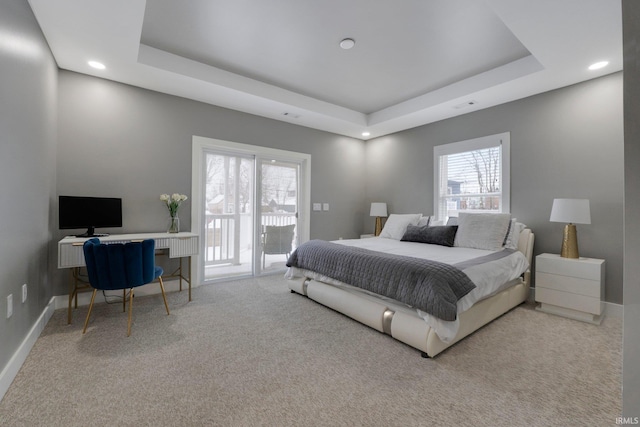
(97, 65)
(465, 104)
(347, 43)
(598, 65)
(366, 133)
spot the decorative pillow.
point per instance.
(482, 230)
(425, 220)
(515, 228)
(509, 231)
(453, 220)
(397, 224)
(443, 235)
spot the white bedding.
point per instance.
(489, 278)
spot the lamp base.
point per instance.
(569, 242)
(378, 226)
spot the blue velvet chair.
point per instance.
(121, 266)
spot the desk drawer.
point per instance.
(183, 246)
(70, 255)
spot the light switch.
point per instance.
(317, 207)
(325, 206)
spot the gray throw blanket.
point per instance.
(430, 286)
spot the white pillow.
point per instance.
(425, 220)
(482, 230)
(396, 225)
(511, 241)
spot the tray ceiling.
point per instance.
(413, 62)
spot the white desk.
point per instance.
(71, 255)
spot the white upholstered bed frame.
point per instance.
(403, 323)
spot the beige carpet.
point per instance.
(250, 353)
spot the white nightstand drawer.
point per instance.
(572, 285)
(572, 301)
(585, 268)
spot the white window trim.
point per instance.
(476, 144)
(199, 146)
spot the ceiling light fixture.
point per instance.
(366, 133)
(97, 65)
(347, 43)
(598, 65)
(465, 104)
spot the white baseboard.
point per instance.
(15, 363)
(84, 298)
(614, 310)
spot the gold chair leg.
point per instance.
(72, 289)
(124, 300)
(180, 274)
(164, 297)
(190, 278)
(86, 322)
(130, 312)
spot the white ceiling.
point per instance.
(414, 61)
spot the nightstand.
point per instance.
(570, 287)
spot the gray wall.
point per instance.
(115, 139)
(27, 170)
(631, 336)
(122, 141)
(564, 143)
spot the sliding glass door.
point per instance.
(247, 207)
(278, 212)
(228, 210)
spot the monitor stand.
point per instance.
(91, 233)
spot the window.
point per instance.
(472, 176)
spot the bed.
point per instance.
(491, 251)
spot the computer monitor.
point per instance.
(89, 212)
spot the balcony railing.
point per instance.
(270, 218)
(226, 234)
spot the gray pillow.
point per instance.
(443, 235)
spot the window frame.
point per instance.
(502, 139)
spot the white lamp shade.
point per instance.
(378, 209)
(574, 211)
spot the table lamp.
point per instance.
(378, 210)
(571, 211)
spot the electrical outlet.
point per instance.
(317, 206)
(24, 292)
(9, 306)
(325, 206)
